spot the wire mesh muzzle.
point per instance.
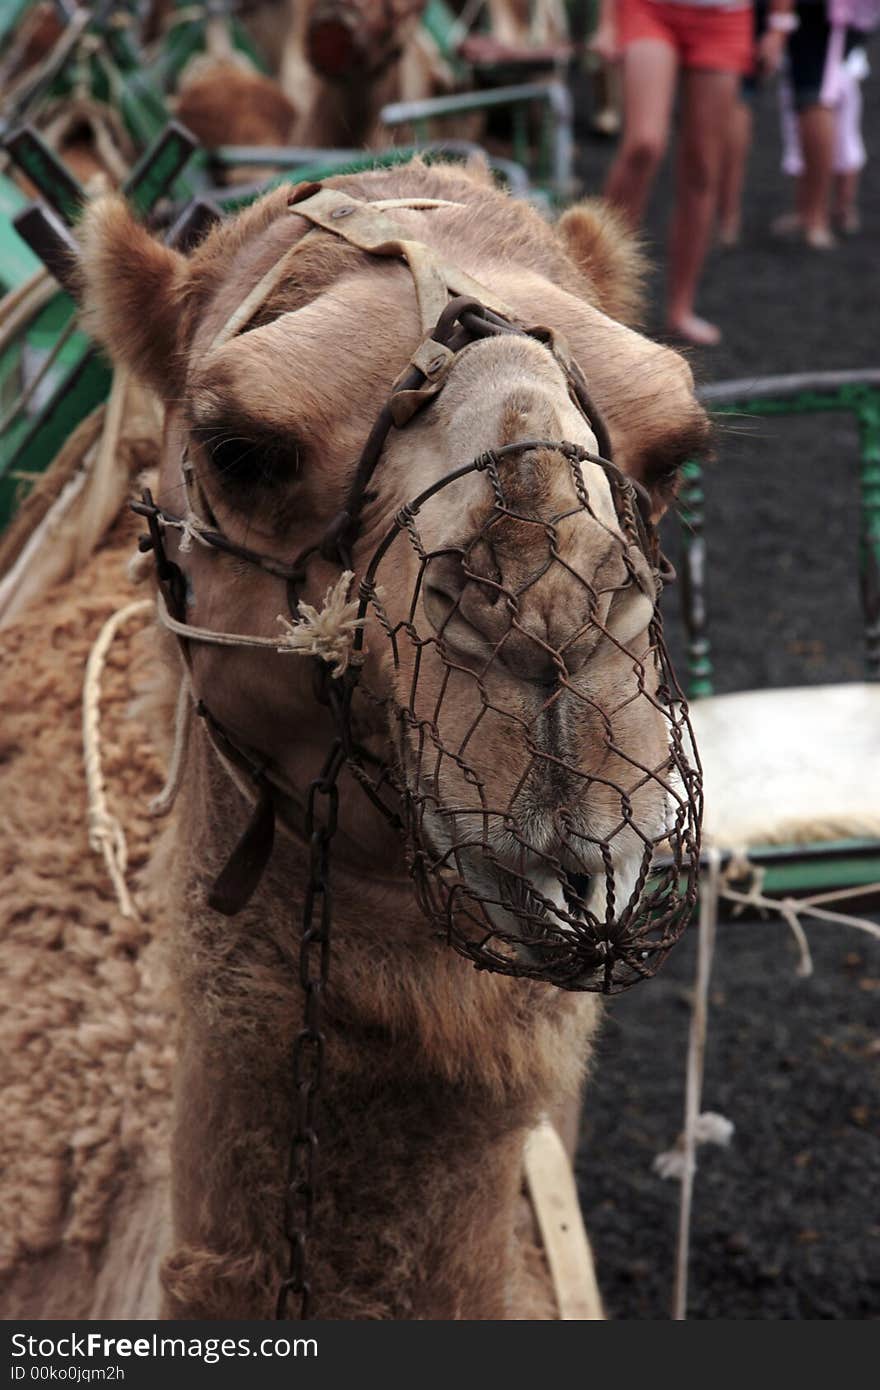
(543, 766)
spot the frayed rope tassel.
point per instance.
(327, 632)
(710, 1128)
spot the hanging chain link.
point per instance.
(309, 1045)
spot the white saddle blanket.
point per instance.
(790, 766)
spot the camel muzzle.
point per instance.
(549, 805)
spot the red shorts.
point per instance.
(704, 36)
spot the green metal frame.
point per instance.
(77, 378)
(836, 864)
(17, 261)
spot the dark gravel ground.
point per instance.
(787, 1220)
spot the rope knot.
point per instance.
(190, 530)
(327, 632)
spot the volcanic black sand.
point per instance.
(787, 1219)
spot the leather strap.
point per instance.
(237, 882)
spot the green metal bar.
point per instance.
(121, 47)
(42, 166)
(519, 119)
(17, 262)
(832, 872)
(74, 397)
(281, 156)
(27, 395)
(143, 110)
(776, 388)
(159, 166)
(812, 867)
(441, 23)
(403, 112)
(868, 417)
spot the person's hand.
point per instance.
(604, 42)
(770, 52)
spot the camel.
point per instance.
(272, 347)
(343, 60)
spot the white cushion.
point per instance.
(790, 766)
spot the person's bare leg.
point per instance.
(648, 78)
(816, 125)
(733, 173)
(707, 100)
(846, 201)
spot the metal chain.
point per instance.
(309, 1045)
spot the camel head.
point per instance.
(350, 38)
(508, 701)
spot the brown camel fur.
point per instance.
(87, 1039)
(434, 1073)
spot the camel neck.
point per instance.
(417, 1197)
(432, 1075)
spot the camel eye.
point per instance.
(245, 458)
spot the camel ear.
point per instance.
(132, 290)
(602, 246)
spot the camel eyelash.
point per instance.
(251, 458)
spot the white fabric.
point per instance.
(790, 766)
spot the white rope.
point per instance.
(710, 1128)
(327, 632)
(191, 528)
(709, 896)
(791, 910)
(161, 804)
(106, 835)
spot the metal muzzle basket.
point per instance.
(544, 776)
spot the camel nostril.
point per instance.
(462, 605)
(479, 567)
(439, 607)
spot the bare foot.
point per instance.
(848, 221)
(728, 235)
(692, 329)
(818, 238)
